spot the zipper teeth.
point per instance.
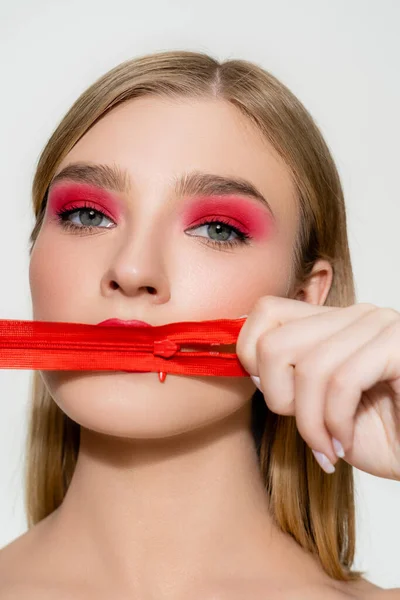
(178, 354)
(27, 341)
(94, 346)
(69, 344)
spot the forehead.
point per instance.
(156, 139)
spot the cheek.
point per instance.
(51, 280)
(38, 278)
(240, 287)
(216, 284)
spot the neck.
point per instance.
(174, 512)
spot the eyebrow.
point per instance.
(114, 178)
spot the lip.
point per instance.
(121, 323)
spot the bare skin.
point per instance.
(166, 501)
(25, 574)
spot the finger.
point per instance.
(276, 378)
(279, 350)
(377, 361)
(269, 313)
(313, 374)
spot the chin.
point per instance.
(138, 406)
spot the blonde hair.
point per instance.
(315, 508)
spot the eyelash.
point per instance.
(62, 215)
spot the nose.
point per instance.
(138, 268)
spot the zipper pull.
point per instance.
(165, 348)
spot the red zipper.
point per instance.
(49, 345)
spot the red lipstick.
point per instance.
(120, 323)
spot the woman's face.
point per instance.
(178, 243)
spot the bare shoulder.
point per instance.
(31, 569)
(20, 568)
(14, 568)
(15, 556)
(357, 590)
(329, 590)
(365, 590)
(393, 594)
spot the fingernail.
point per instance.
(324, 462)
(338, 448)
(256, 381)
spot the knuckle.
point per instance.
(278, 404)
(334, 418)
(392, 332)
(266, 303)
(308, 366)
(366, 307)
(338, 382)
(272, 403)
(245, 351)
(241, 342)
(317, 364)
(246, 357)
(267, 345)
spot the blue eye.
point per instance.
(223, 230)
(94, 218)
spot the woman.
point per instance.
(181, 189)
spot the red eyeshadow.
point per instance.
(63, 194)
(252, 218)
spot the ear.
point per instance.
(317, 285)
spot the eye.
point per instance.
(216, 232)
(87, 218)
(221, 232)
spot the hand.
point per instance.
(337, 370)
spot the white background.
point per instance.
(341, 58)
